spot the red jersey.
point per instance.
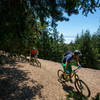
(34, 51)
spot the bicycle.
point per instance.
(35, 62)
(79, 84)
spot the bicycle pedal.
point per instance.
(71, 81)
(63, 76)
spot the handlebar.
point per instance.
(76, 69)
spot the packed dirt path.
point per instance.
(42, 83)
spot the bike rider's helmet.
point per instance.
(33, 48)
(77, 52)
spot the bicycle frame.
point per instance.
(80, 85)
(71, 75)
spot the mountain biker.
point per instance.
(66, 61)
(34, 53)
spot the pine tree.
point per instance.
(88, 58)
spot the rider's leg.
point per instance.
(32, 58)
(64, 65)
(35, 58)
(69, 67)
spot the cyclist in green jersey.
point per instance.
(66, 61)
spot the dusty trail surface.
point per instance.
(33, 83)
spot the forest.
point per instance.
(33, 23)
(25, 24)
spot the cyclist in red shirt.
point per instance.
(34, 53)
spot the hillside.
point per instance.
(22, 81)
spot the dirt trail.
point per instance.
(44, 80)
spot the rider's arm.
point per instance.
(79, 65)
(37, 52)
(77, 62)
(66, 64)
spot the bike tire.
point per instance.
(60, 74)
(31, 62)
(76, 77)
(79, 85)
(38, 63)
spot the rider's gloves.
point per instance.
(79, 65)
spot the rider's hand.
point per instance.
(79, 66)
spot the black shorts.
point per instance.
(32, 56)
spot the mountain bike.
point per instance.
(35, 62)
(80, 85)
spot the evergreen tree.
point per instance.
(98, 38)
(88, 58)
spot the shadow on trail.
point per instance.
(6, 60)
(71, 93)
(13, 86)
(66, 87)
(76, 95)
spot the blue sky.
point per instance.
(77, 23)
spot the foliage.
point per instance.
(75, 96)
(88, 51)
(85, 43)
(56, 8)
(25, 24)
(79, 96)
(98, 39)
(51, 46)
(97, 97)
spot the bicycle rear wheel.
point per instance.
(82, 88)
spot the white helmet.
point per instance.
(77, 52)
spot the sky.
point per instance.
(77, 23)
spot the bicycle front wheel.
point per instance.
(82, 88)
(31, 61)
(38, 63)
